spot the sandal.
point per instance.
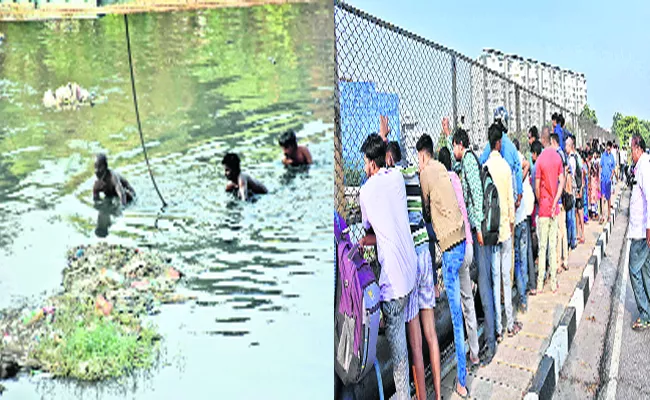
(532, 292)
(516, 328)
(473, 366)
(457, 392)
(640, 325)
(557, 286)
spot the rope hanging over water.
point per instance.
(137, 113)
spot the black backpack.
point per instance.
(578, 172)
(492, 217)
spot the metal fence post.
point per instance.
(339, 172)
(454, 90)
(517, 109)
(485, 99)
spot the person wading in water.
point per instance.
(111, 183)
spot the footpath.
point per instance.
(528, 365)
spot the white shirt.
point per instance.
(640, 200)
(520, 212)
(383, 207)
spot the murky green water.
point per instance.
(208, 82)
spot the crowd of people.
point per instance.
(516, 215)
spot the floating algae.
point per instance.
(93, 329)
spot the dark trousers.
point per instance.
(532, 271)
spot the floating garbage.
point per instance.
(93, 329)
(68, 96)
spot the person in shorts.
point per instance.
(422, 301)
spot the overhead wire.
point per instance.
(137, 112)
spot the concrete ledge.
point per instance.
(548, 371)
(544, 381)
(589, 274)
(584, 286)
(594, 261)
(569, 321)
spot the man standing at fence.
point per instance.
(466, 293)
(574, 216)
(607, 170)
(382, 200)
(521, 236)
(639, 232)
(508, 152)
(562, 242)
(557, 120)
(422, 301)
(502, 251)
(536, 150)
(447, 220)
(469, 171)
(533, 135)
(549, 182)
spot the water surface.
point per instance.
(208, 82)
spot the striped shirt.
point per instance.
(414, 204)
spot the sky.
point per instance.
(608, 41)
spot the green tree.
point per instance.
(626, 126)
(617, 117)
(589, 114)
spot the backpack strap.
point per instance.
(478, 164)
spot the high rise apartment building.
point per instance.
(565, 87)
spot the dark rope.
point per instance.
(137, 113)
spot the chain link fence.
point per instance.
(382, 69)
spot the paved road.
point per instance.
(609, 360)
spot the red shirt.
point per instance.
(547, 172)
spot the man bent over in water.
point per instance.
(111, 183)
(238, 182)
(293, 154)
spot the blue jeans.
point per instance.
(501, 264)
(640, 276)
(433, 240)
(483, 262)
(452, 259)
(571, 227)
(521, 260)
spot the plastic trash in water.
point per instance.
(141, 285)
(33, 317)
(112, 275)
(6, 338)
(80, 253)
(102, 305)
(173, 274)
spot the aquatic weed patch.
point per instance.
(94, 329)
(87, 345)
